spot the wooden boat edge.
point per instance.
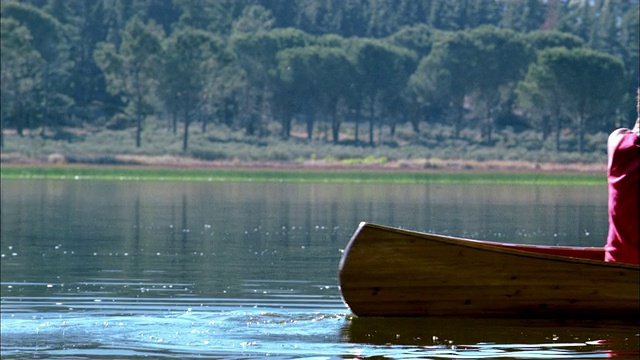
(401, 296)
(506, 248)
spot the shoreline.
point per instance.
(409, 166)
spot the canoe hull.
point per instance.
(392, 272)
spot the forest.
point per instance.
(264, 67)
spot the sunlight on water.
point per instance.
(290, 328)
(239, 333)
(96, 270)
(194, 332)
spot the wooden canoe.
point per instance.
(392, 272)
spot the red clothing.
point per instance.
(623, 176)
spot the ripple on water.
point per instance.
(292, 333)
(187, 332)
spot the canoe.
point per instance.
(389, 272)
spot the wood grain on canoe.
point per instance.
(391, 272)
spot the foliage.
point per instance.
(581, 84)
(34, 68)
(264, 65)
(315, 72)
(222, 143)
(191, 59)
(130, 69)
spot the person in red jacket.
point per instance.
(623, 177)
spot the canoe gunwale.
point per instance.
(526, 250)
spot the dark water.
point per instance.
(94, 269)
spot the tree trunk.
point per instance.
(286, 126)
(546, 127)
(357, 129)
(227, 112)
(309, 121)
(356, 121)
(581, 125)
(2, 120)
(487, 131)
(175, 123)
(371, 121)
(457, 123)
(20, 120)
(185, 137)
(558, 132)
(414, 116)
(138, 129)
(335, 127)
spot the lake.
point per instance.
(120, 269)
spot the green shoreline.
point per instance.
(139, 173)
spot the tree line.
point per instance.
(546, 65)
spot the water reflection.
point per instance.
(490, 338)
(96, 269)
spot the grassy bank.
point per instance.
(137, 173)
(224, 154)
(220, 143)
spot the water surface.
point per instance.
(102, 269)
